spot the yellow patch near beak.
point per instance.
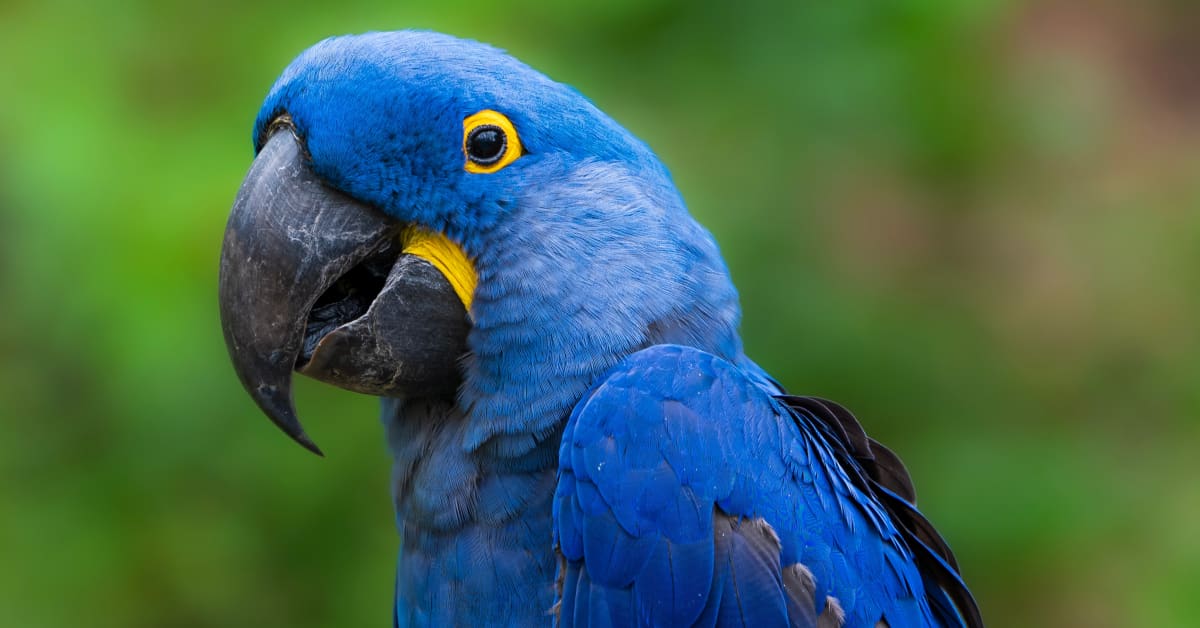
(446, 256)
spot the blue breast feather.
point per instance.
(689, 493)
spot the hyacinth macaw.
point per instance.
(578, 436)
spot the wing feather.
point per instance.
(689, 495)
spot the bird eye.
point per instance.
(489, 142)
(485, 144)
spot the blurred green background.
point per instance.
(974, 222)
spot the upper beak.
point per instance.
(315, 281)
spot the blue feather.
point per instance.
(730, 451)
(606, 408)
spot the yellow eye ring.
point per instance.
(490, 142)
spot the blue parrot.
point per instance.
(579, 438)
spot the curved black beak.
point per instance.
(313, 280)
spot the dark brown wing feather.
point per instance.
(879, 472)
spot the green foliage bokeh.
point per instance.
(974, 222)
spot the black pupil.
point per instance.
(485, 144)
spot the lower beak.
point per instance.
(315, 281)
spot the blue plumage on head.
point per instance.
(583, 239)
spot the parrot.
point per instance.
(578, 437)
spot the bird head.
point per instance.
(428, 216)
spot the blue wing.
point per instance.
(689, 495)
